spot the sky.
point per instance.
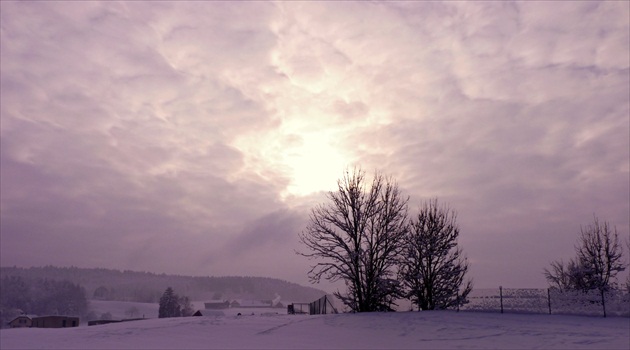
(195, 137)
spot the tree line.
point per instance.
(40, 297)
(364, 237)
(147, 287)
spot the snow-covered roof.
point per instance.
(29, 316)
(253, 303)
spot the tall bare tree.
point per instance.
(599, 257)
(356, 237)
(433, 267)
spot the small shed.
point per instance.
(55, 322)
(21, 321)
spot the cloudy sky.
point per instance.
(194, 137)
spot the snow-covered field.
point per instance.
(263, 330)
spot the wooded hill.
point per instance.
(107, 284)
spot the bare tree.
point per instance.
(186, 306)
(357, 237)
(599, 259)
(601, 253)
(570, 276)
(557, 276)
(432, 265)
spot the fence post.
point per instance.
(501, 297)
(457, 301)
(603, 301)
(549, 300)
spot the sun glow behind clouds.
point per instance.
(315, 166)
(308, 160)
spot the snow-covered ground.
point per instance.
(417, 330)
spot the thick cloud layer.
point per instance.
(193, 137)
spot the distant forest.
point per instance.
(54, 290)
(107, 284)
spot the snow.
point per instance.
(267, 329)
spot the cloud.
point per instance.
(275, 229)
(175, 137)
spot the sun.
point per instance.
(315, 166)
(308, 161)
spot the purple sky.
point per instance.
(194, 137)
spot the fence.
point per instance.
(552, 301)
(320, 306)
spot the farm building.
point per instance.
(97, 322)
(55, 322)
(22, 321)
(216, 305)
(249, 304)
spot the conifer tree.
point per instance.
(169, 304)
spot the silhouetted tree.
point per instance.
(599, 257)
(432, 265)
(169, 304)
(357, 237)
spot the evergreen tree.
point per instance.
(14, 293)
(51, 297)
(169, 304)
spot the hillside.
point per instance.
(107, 284)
